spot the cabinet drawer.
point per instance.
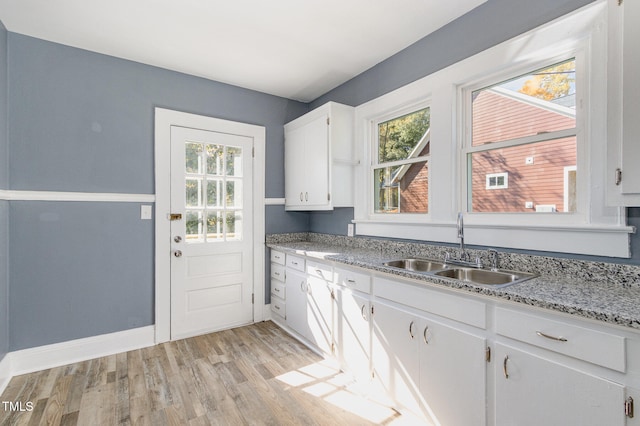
(320, 270)
(277, 257)
(457, 308)
(278, 307)
(295, 262)
(277, 272)
(607, 350)
(353, 280)
(278, 289)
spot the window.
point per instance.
(516, 140)
(527, 126)
(497, 181)
(401, 172)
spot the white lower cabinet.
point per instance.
(531, 390)
(352, 333)
(429, 367)
(309, 308)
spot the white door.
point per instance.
(211, 231)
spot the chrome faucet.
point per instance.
(460, 224)
(493, 258)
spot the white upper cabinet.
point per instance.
(623, 85)
(318, 159)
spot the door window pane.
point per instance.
(234, 161)
(214, 195)
(214, 159)
(193, 192)
(234, 193)
(214, 226)
(233, 225)
(192, 157)
(194, 226)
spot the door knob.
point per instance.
(177, 253)
(177, 238)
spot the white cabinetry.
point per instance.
(278, 288)
(623, 86)
(428, 364)
(352, 327)
(531, 390)
(318, 159)
(309, 301)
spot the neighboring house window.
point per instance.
(497, 181)
(401, 172)
(527, 126)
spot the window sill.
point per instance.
(596, 240)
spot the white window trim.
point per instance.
(504, 185)
(596, 230)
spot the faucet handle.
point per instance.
(493, 258)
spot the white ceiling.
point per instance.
(298, 49)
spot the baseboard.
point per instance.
(5, 372)
(49, 356)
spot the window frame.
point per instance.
(505, 181)
(595, 229)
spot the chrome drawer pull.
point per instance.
(364, 316)
(424, 335)
(557, 339)
(504, 367)
(411, 330)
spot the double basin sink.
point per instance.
(493, 278)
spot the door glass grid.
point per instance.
(213, 192)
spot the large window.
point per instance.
(401, 172)
(524, 128)
(515, 138)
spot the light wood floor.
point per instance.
(255, 375)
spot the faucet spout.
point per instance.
(460, 225)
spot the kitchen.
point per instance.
(99, 108)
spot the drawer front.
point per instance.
(278, 307)
(277, 272)
(277, 257)
(295, 262)
(607, 350)
(320, 270)
(278, 289)
(353, 280)
(457, 308)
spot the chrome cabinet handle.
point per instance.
(424, 335)
(362, 312)
(557, 339)
(306, 196)
(504, 367)
(411, 330)
(276, 289)
(302, 289)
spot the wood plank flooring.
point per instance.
(253, 375)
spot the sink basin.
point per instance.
(416, 265)
(485, 277)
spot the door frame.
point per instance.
(164, 119)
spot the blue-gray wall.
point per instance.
(4, 205)
(489, 24)
(81, 121)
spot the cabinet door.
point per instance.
(452, 374)
(294, 167)
(296, 290)
(353, 334)
(316, 163)
(534, 391)
(395, 354)
(319, 313)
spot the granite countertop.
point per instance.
(602, 291)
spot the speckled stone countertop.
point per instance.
(607, 292)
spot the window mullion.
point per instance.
(540, 137)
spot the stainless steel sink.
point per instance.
(501, 278)
(417, 265)
(485, 277)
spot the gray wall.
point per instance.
(489, 24)
(81, 121)
(4, 206)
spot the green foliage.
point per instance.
(398, 137)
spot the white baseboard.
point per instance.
(5, 372)
(49, 356)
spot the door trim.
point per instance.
(164, 119)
